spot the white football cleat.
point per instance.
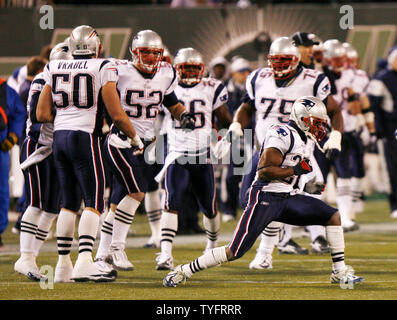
(262, 261)
(227, 217)
(120, 260)
(90, 271)
(345, 276)
(175, 277)
(394, 214)
(63, 272)
(26, 265)
(103, 264)
(164, 261)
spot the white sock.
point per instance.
(123, 217)
(269, 238)
(344, 198)
(88, 227)
(153, 211)
(316, 231)
(337, 246)
(211, 227)
(209, 259)
(44, 226)
(65, 231)
(357, 191)
(106, 235)
(287, 235)
(29, 222)
(169, 228)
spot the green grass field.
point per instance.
(372, 253)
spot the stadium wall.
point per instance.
(214, 31)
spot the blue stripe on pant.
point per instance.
(78, 160)
(265, 207)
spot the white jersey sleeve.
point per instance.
(322, 87)
(108, 73)
(220, 97)
(250, 83)
(174, 81)
(277, 137)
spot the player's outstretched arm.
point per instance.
(116, 112)
(44, 111)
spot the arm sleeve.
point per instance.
(279, 138)
(174, 82)
(170, 100)
(250, 84)
(47, 75)
(108, 72)
(322, 87)
(220, 97)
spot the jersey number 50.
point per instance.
(82, 90)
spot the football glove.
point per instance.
(333, 145)
(314, 187)
(9, 142)
(234, 131)
(302, 167)
(138, 144)
(187, 121)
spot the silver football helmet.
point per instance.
(190, 65)
(84, 40)
(283, 57)
(147, 51)
(310, 115)
(352, 55)
(60, 52)
(335, 55)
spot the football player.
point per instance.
(348, 98)
(274, 195)
(79, 89)
(203, 97)
(271, 94)
(144, 84)
(367, 126)
(41, 182)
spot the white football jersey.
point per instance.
(76, 87)
(44, 130)
(273, 104)
(142, 97)
(201, 100)
(348, 79)
(288, 141)
(360, 81)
